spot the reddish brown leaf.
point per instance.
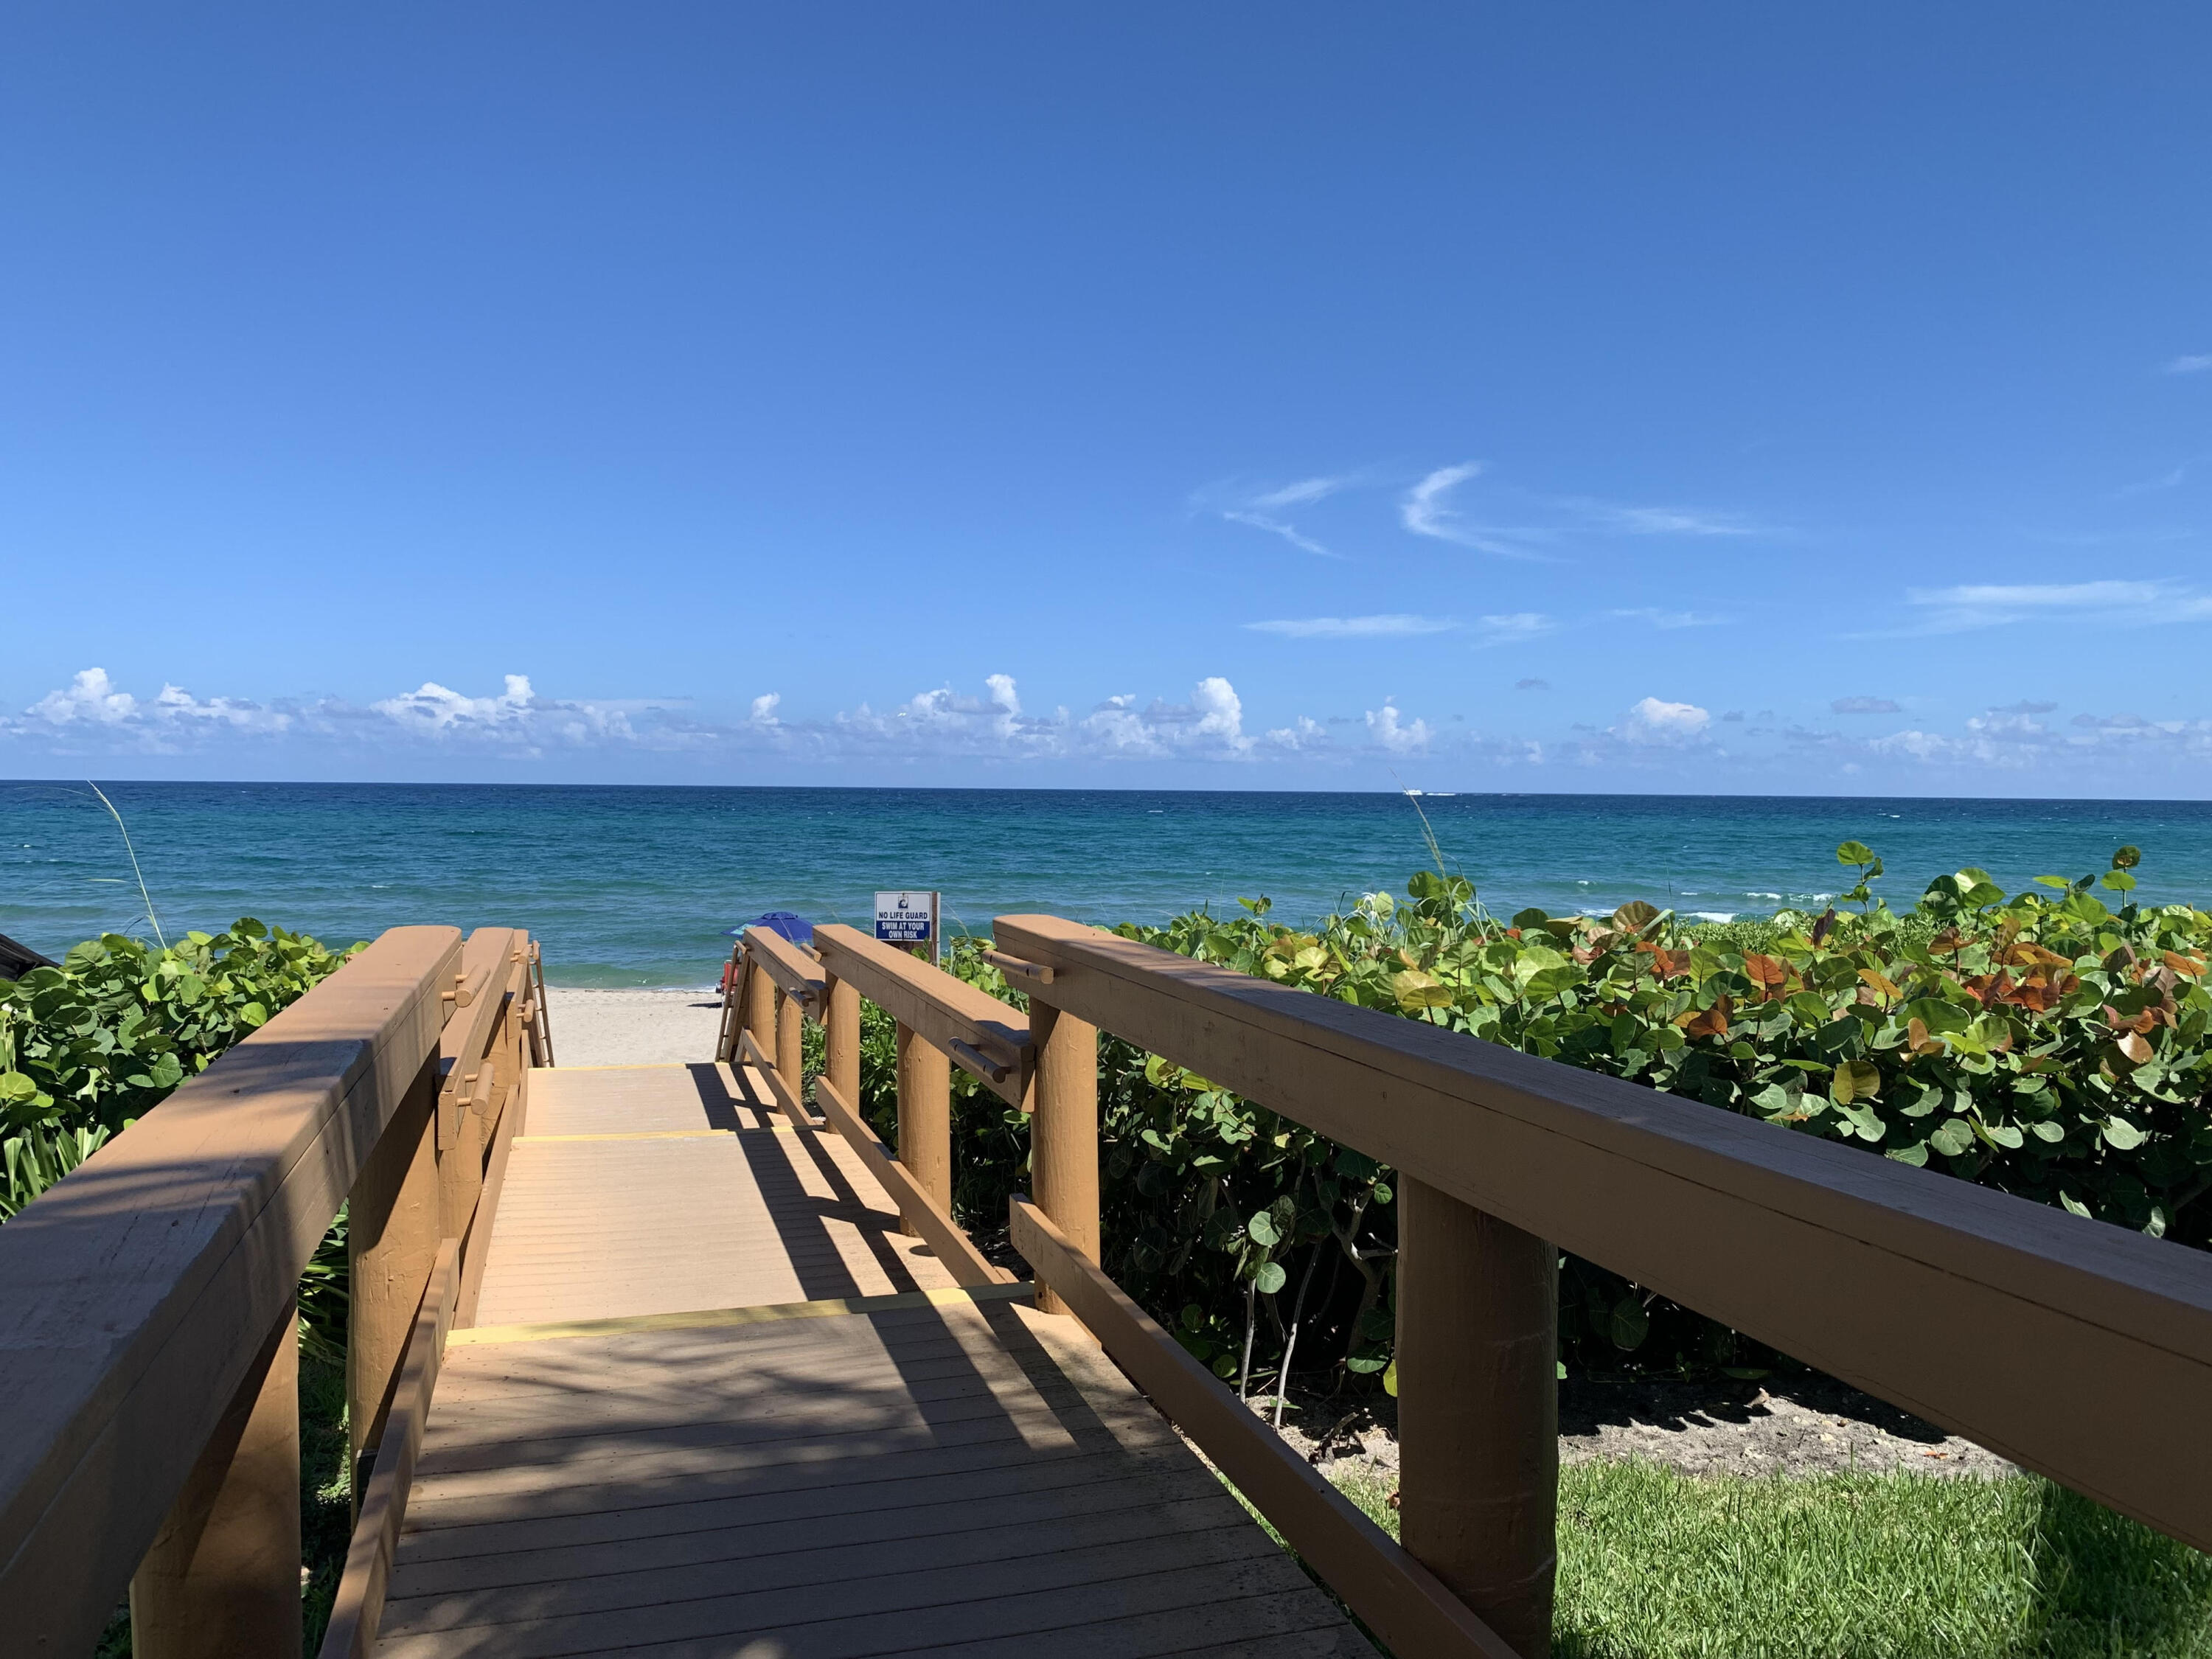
(1711, 1022)
(2135, 1049)
(2187, 966)
(1881, 982)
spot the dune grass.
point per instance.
(1655, 1565)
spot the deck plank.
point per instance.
(956, 1475)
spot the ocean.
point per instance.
(640, 886)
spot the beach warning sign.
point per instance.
(906, 917)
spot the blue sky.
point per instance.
(1697, 397)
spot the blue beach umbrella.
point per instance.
(797, 929)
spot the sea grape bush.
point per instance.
(103, 1038)
(2050, 1044)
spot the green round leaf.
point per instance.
(1270, 1278)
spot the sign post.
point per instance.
(908, 918)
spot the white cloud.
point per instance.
(1662, 521)
(1397, 734)
(1265, 509)
(1289, 532)
(1512, 628)
(91, 696)
(1865, 706)
(93, 707)
(1426, 511)
(1392, 625)
(1304, 736)
(1994, 604)
(2196, 364)
(1668, 620)
(764, 707)
(1653, 721)
(1304, 493)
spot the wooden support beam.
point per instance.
(1064, 1130)
(1404, 1603)
(925, 1120)
(933, 1223)
(1479, 1409)
(222, 1576)
(476, 1244)
(760, 1005)
(791, 1043)
(393, 1224)
(358, 1607)
(840, 1034)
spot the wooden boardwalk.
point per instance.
(715, 1403)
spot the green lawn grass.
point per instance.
(1654, 1564)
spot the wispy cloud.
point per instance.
(1994, 604)
(2197, 364)
(1304, 493)
(1660, 521)
(1289, 532)
(1531, 686)
(1669, 620)
(1866, 706)
(1512, 628)
(1427, 511)
(1265, 509)
(2173, 478)
(1390, 626)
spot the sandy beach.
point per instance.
(633, 1028)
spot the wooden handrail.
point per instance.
(1403, 1601)
(490, 949)
(931, 1003)
(1991, 1316)
(794, 973)
(135, 1294)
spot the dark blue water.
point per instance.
(637, 886)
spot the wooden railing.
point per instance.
(939, 1020)
(2077, 1349)
(149, 1312)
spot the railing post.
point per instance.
(841, 1045)
(222, 1576)
(759, 1005)
(393, 1228)
(925, 1119)
(1479, 1409)
(791, 1043)
(1064, 1130)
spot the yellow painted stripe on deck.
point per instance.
(638, 1066)
(709, 1318)
(665, 1135)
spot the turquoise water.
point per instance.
(637, 886)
